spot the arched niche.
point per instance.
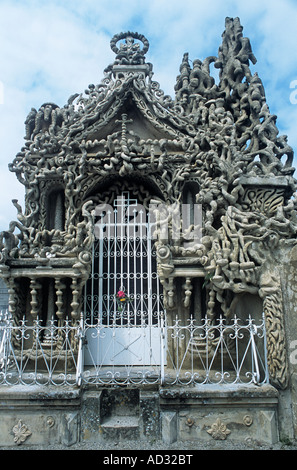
(55, 209)
(190, 190)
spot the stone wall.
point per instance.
(48, 416)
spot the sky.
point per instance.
(51, 49)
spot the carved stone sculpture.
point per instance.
(218, 138)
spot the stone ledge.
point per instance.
(263, 180)
(220, 394)
(39, 396)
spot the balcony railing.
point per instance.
(227, 351)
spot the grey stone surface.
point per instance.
(44, 416)
(169, 426)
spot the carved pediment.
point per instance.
(93, 118)
(134, 120)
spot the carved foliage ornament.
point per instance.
(219, 430)
(21, 432)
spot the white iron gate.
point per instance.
(123, 294)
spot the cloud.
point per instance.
(50, 50)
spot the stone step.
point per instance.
(121, 422)
(120, 427)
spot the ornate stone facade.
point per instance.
(216, 143)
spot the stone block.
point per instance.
(69, 428)
(236, 423)
(35, 428)
(219, 413)
(149, 414)
(36, 415)
(90, 416)
(120, 428)
(169, 426)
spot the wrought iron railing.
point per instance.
(33, 354)
(227, 351)
(224, 351)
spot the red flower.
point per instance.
(121, 294)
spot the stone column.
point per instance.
(59, 298)
(75, 299)
(47, 340)
(59, 218)
(35, 304)
(187, 287)
(11, 297)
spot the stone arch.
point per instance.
(147, 188)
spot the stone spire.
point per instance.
(238, 100)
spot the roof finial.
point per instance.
(129, 52)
